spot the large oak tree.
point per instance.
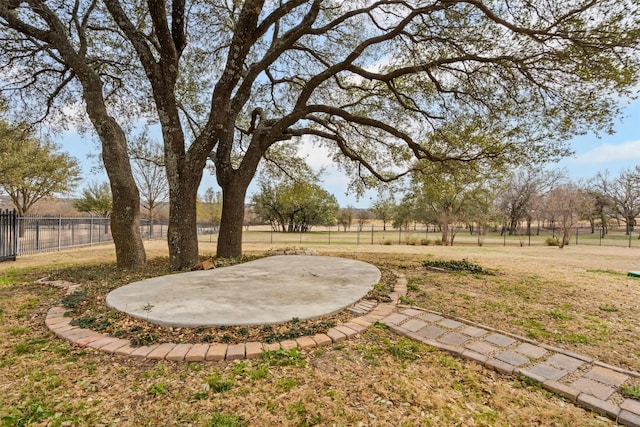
(371, 80)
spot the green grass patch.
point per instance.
(632, 391)
(557, 314)
(286, 383)
(219, 419)
(219, 384)
(30, 413)
(283, 357)
(404, 349)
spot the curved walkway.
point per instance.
(586, 382)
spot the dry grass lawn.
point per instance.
(578, 298)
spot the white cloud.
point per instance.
(605, 153)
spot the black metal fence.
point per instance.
(8, 235)
(421, 235)
(35, 234)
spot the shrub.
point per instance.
(552, 241)
(412, 241)
(425, 242)
(387, 242)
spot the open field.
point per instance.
(577, 298)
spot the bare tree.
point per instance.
(363, 216)
(623, 194)
(562, 204)
(229, 80)
(147, 162)
(345, 218)
(517, 200)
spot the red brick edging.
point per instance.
(57, 321)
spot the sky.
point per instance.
(593, 154)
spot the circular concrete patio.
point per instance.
(265, 291)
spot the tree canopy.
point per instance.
(31, 169)
(96, 199)
(294, 206)
(378, 83)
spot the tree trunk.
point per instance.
(230, 236)
(125, 216)
(182, 232)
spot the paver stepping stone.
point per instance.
(531, 350)
(500, 340)
(449, 323)
(606, 376)
(564, 362)
(481, 347)
(395, 318)
(430, 332)
(411, 312)
(414, 325)
(473, 331)
(593, 388)
(547, 372)
(431, 317)
(512, 358)
(453, 338)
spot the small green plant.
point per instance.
(464, 266)
(632, 391)
(217, 384)
(158, 389)
(146, 338)
(73, 300)
(425, 242)
(413, 287)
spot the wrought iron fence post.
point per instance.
(59, 231)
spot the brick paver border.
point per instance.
(58, 322)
